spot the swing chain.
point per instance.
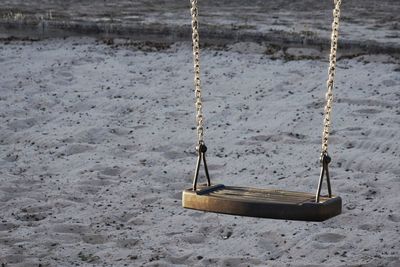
(201, 147)
(330, 81)
(196, 66)
(331, 77)
(325, 159)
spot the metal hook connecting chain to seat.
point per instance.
(201, 150)
(325, 159)
(201, 147)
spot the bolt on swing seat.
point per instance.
(263, 203)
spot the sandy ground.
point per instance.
(366, 24)
(97, 142)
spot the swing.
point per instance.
(254, 202)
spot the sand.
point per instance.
(366, 25)
(97, 142)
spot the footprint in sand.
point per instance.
(94, 239)
(367, 111)
(7, 226)
(394, 218)
(137, 221)
(93, 186)
(195, 238)
(240, 262)
(34, 217)
(367, 102)
(12, 259)
(96, 183)
(329, 238)
(87, 61)
(271, 243)
(11, 157)
(73, 149)
(174, 155)
(71, 228)
(111, 171)
(22, 124)
(128, 243)
(149, 200)
(370, 227)
(64, 77)
(266, 138)
(377, 145)
(389, 83)
(93, 136)
(178, 259)
(33, 213)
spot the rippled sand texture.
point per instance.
(97, 142)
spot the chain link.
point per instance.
(196, 66)
(331, 77)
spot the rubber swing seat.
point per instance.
(262, 203)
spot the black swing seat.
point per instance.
(264, 203)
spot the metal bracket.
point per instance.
(201, 150)
(325, 160)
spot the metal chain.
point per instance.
(331, 77)
(330, 81)
(196, 66)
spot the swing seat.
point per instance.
(263, 203)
